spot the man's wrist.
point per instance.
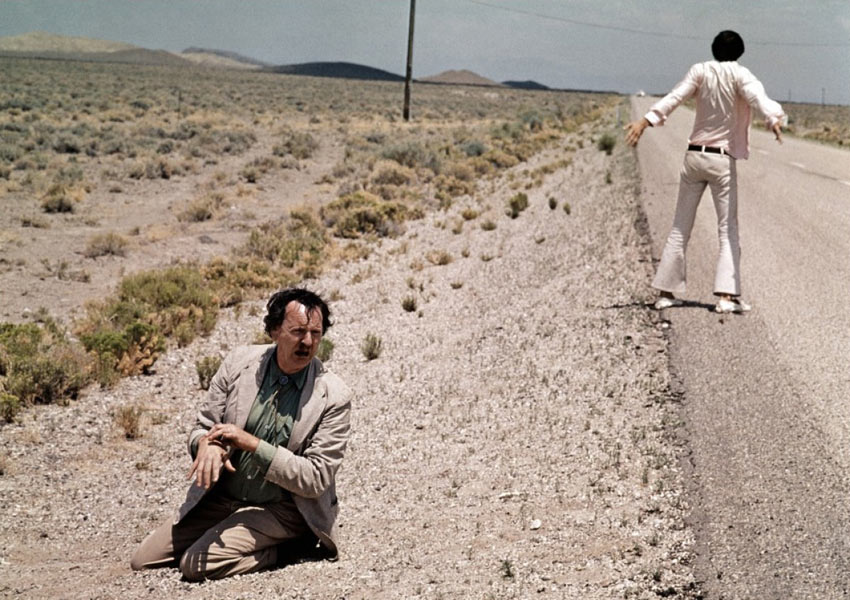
(208, 442)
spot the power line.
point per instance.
(643, 31)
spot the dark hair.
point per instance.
(727, 46)
(276, 307)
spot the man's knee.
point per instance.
(147, 555)
(137, 563)
(193, 565)
(197, 565)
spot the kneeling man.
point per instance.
(266, 445)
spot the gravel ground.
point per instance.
(516, 438)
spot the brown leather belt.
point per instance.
(709, 149)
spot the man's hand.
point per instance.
(634, 130)
(208, 462)
(777, 131)
(231, 435)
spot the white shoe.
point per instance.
(732, 306)
(665, 302)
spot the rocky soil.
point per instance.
(516, 438)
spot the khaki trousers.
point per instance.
(718, 172)
(222, 537)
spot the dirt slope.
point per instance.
(513, 440)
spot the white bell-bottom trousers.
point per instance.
(718, 172)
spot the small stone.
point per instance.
(535, 524)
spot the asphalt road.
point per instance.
(766, 396)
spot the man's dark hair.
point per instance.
(276, 307)
(727, 46)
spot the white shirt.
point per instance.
(725, 92)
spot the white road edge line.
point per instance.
(803, 167)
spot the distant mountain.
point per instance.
(342, 70)
(526, 85)
(40, 44)
(40, 41)
(138, 56)
(221, 58)
(62, 47)
(462, 77)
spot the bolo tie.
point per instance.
(282, 381)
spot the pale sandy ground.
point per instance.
(47, 267)
(515, 439)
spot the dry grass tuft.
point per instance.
(130, 420)
(106, 244)
(371, 346)
(207, 367)
(439, 257)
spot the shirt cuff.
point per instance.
(653, 118)
(772, 120)
(263, 456)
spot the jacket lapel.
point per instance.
(250, 384)
(310, 407)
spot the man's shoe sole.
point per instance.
(725, 307)
(663, 303)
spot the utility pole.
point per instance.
(409, 74)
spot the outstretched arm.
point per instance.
(659, 111)
(753, 92)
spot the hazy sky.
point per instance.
(800, 49)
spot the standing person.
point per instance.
(725, 92)
(266, 445)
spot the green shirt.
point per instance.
(271, 418)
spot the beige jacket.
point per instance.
(307, 466)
